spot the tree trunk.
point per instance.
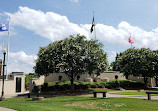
(72, 84)
(146, 81)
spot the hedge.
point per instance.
(57, 86)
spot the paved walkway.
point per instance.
(6, 109)
(131, 96)
(123, 96)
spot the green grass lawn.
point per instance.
(135, 93)
(76, 103)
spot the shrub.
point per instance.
(126, 84)
(94, 85)
(66, 86)
(131, 84)
(103, 83)
(101, 86)
(44, 87)
(51, 88)
(112, 84)
(57, 86)
(61, 87)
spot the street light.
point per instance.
(2, 96)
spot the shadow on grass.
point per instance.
(87, 99)
(70, 99)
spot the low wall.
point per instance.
(139, 79)
(55, 77)
(10, 85)
(35, 82)
(107, 74)
(111, 75)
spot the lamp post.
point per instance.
(2, 96)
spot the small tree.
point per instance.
(73, 56)
(115, 65)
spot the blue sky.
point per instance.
(39, 22)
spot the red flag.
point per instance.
(130, 40)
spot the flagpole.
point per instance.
(94, 26)
(2, 60)
(8, 49)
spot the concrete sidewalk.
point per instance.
(6, 109)
(15, 95)
(99, 95)
(129, 96)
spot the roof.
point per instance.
(17, 73)
(111, 72)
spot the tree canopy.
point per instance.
(138, 62)
(73, 56)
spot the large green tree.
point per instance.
(138, 62)
(156, 69)
(73, 56)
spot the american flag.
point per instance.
(130, 40)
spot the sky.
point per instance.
(36, 23)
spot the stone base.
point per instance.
(140, 90)
(38, 98)
(121, 89)
(2, 98)
(88, 80)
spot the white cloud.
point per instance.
(55, 27)
(111, 56)
(50, 25)
(21, 62)
(4, 33)
(120, 35)
(75, 1)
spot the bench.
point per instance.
(149, 96)
(95, 94)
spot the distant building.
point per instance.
(105, 76)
